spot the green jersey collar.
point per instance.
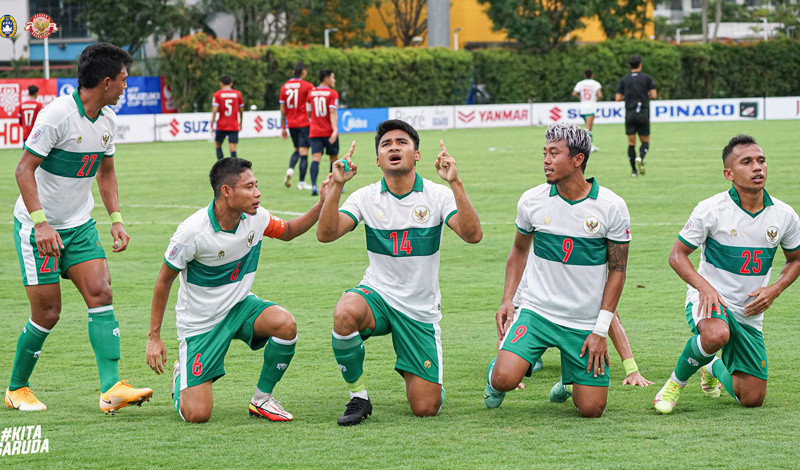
(417, 187)
(592, 192)
(215, 223)
(81, 110)
(735, 196)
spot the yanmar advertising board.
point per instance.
(493, 115)
(425, 117)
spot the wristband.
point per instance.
(630, 366)
(115, 217)
(603, 322)
(346, 165)
(38, 217)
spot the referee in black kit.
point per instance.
(637, 89)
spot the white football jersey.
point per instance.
(404, 234)
(217, 267)
(566, 274)
(737, 247)
(587, 89)
(71, 146)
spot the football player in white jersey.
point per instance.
(55, 235)
(580, 233)
(403, 217)
(739, 231)
(588, 91)
(215, 251)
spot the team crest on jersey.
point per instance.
(772, 233)
(547, 220)
(591, 224)
(104, 141)
(250, 237)
(734, 233)
(221, 254)
(421, 214)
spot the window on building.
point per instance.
(65, 16)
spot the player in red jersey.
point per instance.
(323, 102)
(230, 106)
(28, 110)
(294, 115)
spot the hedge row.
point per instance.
(383, 77)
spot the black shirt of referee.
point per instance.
(637, 89)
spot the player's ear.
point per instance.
(727, 173)
(226, 190)
(417, 155)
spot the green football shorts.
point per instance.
(81, 243)
(202, 356)
(745, 350)
(531, 335)
(418, 345)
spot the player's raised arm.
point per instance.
(332, 223)
(465, 222)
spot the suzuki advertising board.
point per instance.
(607, 112)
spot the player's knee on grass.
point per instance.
(426, 406)
(749, 390)
(505, 379)
(590, 401)
(196, 412)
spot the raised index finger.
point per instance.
(441, 142)
(352, 148)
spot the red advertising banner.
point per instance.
(14, 91)
(168, 104)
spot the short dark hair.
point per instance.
(741, 139)
(33, 89)
(225, 79)
(298, 69)
(395, 125)
(323, 74)
(587, 73)
(101, 60)
(227, 172)
(635, 61)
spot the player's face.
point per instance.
(331, 80)
(116, 86)
(557, 164)
(396, 152)
(747, 168)
(245, 196)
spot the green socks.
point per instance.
(104, 337)
(278, 354)
(349, 352)
(29, 347)
(721, 373)
(692, 358)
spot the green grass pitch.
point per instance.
(161, 184)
